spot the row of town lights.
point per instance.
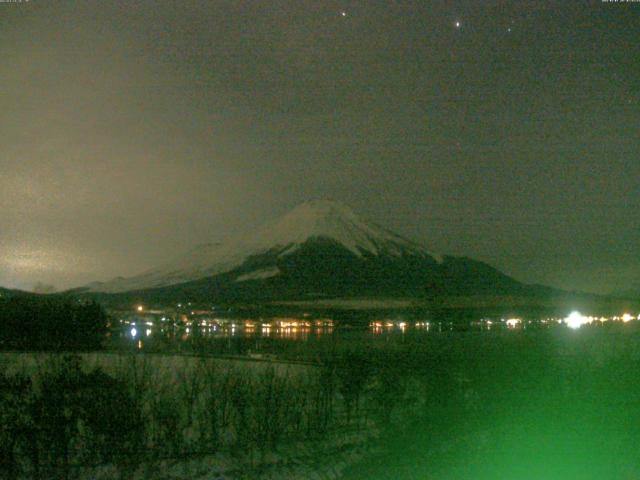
(574, 321)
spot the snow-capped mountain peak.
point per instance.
(332, 220)
(319, 219)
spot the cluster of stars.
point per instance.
(457, 23)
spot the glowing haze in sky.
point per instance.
(505, 131)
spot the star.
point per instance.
(458, 24)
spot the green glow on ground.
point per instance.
(567, 409)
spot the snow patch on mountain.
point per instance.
(328, 219)
(259, 274)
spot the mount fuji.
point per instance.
(319, 249)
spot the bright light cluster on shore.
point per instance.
(575, 320)
(513, 322)
(139, 321)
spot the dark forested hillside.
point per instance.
(50, 323)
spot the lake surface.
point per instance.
(277, 335)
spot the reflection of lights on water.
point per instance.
(300, 329)
(423, 325)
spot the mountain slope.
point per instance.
(633, 292)
(311, 220)
(319, 249)
(7, 293)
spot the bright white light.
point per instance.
(513, 322)
(458, 24)
(575, 320)
(626, 318)
(140, 308)
(134, 332)
(148, 332)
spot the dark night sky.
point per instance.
(130, 131)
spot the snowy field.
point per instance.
(194, 418)
(162, 367)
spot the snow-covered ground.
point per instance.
(163, 367)
(322, 459)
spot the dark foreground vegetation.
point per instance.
(553, 403)
(62, 418)
(542, 404)
(34, 322)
